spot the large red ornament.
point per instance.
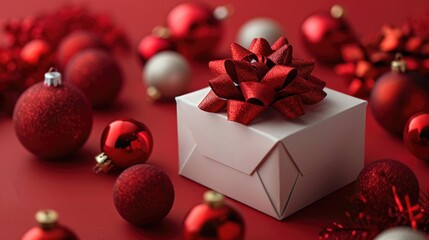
(416, 135)
(324, 34)
(143, 194)
(384, 178)
(213, 219)
(397, 95)
(48, 228)
(124, 142)
(74, 43)
(97, 74)
(153, 44)
(52, 119)
(34, 51)
(195, 29)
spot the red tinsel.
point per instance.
(16, 75)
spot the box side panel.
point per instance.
(185, 140)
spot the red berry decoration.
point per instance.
(52, 119)
(34, 51)
(124, 142)
(195, 29)
(324, 34)
(213, 219)
(48, 228)
(143, 194)
(153, 44)
(384, 178)
(397, 95)
(416, 135)
(97, 74)
(74, 43)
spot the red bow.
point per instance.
(260, 77)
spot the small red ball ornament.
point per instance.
(213, 220)
(97, 74)
(324, 34)
(48, 228)
(379, 179)
(74, 43)
(52, 119)
(416, 135)
(195, 28)
(397, 95)
(34, 51)
(124, 142)
(153, 44)
(143, 194)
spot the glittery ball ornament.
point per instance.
(400, 233)
(323, 35)
(48, 228)
(124, 142)
(167, 75)
(97, 74)
(416, 135)
(143, 194)
(74, 43)
(213, 219)
(397, 95)
(52, 119)
(378, 182)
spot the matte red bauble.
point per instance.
(151, 45)
(76, 42)
(397, 95)
(213, 219)
(97, 74)
(323, 34)
(48, 228)
(34, 51)
(195, 29)
(416, 135)
(379, 179)
(52, 119)
(124, 142)
(143, 194)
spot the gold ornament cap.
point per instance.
(399, 65)
(153, 93)
(223, 12)
(214, 199)
(337, 11)
(162, 32)
(103, 163)
(47, 219)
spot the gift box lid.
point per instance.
(244, 147)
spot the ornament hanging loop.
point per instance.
(53, 78)
(399, 65)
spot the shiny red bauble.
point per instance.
(151, 45)
(34, 51)
(195, 29)
(49, 228)
(143, 194)
(213, 219)
(416, 135)
(124, 142)
(76, 42)
(323, 35)
(397, 96)
(52, 119)
(379, 180)
(97, 74)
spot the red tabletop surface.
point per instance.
(84, 199)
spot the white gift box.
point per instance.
(275, 165)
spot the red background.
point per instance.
(84, 200)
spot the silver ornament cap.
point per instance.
(53, 78)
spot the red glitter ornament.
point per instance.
(213, 220)
(153, 44)
(376, 180)
(195, 29)
(324, 34)
(34, 51)
(416, 135)
(76, 42)
(124, 142)
(97, 74)
(52, 119)
(143, 194)
(48, 228)
(397, 96)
